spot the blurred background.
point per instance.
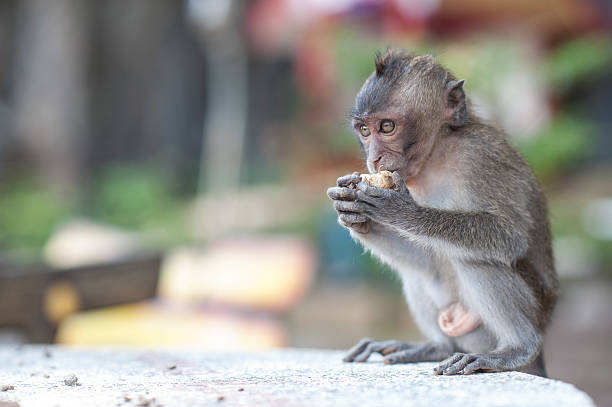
(163, 166)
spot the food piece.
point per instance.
(72, 381)
(383, 179)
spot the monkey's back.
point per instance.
(506, 185)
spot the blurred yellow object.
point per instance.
(263, 273)
(60, 299)
(160, 325)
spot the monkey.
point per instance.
(465, 226)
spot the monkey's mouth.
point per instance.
(383, 168)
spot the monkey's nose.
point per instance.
(377, 166)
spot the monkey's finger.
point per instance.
(372, 191)
(349, 179)
(342, 194)
(356, 350)
(349, 219)
(350, 206)
(363, 227)
(398, 181)
(370, 200)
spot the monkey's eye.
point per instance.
(364, 130)
(387, 126)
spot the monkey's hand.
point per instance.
(350, 212)
(386, 206)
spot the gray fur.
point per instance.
(466, 222)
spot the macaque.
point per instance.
(465, 224)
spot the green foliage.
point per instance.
(482, 63)
(567, 220)
(131, 197)
(604, 251)
(556, 147)
(140, 198)
(577, 60)
(29, 214)
(355, 52)
(355, 56)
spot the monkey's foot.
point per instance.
(466, 363)
(422, 352)
(362, 351)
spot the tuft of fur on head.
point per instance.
(390, 57)
(399, 71)
(393, 63)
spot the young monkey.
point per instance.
(466, 225)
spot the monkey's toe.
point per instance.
(356, 350)
(366, 347)
(464, 364)
(401, 356)
(454, 364)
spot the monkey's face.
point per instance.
(401, 109)
(397, 135)
(388, 143)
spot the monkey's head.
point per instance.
(405, 105)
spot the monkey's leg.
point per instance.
(511, 319)
(536, 367)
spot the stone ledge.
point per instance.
(290, 377)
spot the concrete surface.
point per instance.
(42, 376)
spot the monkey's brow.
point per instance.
(357, 115)
(361, 117)
(352, 117)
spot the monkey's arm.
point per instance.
(479, 233)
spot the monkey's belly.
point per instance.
(456, 320)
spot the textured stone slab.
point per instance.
(41, 376)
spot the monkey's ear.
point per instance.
(456, 109)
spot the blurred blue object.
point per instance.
(341, 257)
